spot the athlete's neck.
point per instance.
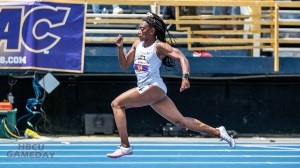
(149, 42)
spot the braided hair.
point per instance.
(156, 22)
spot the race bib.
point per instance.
(141, 67)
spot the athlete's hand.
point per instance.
(185, 84)
(119, 40)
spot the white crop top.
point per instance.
(146, 66)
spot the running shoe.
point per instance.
(224, 136)
(121, 151)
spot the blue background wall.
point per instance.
(249, 106)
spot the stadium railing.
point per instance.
(263, 21)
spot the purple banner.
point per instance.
(42, 35)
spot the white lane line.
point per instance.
(174, 156)
(107, 144)
(148, 163)
(159, 150)
(269, 147)
(159, 144)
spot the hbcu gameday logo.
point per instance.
(33, 29)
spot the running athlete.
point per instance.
(147, 54)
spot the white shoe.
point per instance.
(117, 10)
(224, 136)
(121, 151)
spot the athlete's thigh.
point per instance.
(167, 109)
(132, 98)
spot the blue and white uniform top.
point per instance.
(146, 66)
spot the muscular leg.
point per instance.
(129, 99)
(168, 110)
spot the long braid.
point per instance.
(161, 29)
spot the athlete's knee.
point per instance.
(115, 104)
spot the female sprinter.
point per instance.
(147, 54)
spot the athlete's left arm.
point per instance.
(176, 54)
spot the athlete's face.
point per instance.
(145, 31)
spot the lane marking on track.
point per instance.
(151, 144)
(270, 147)
(151, 163)
(174, 156)
(161, 150)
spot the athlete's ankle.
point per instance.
(125, 145)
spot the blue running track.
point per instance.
(149, 155)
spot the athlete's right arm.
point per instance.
(125, 61)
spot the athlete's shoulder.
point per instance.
(163, 46)
(136, 43)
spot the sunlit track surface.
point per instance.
(149, 154)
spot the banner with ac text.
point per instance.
(42, 35)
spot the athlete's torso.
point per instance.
(147, 65)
